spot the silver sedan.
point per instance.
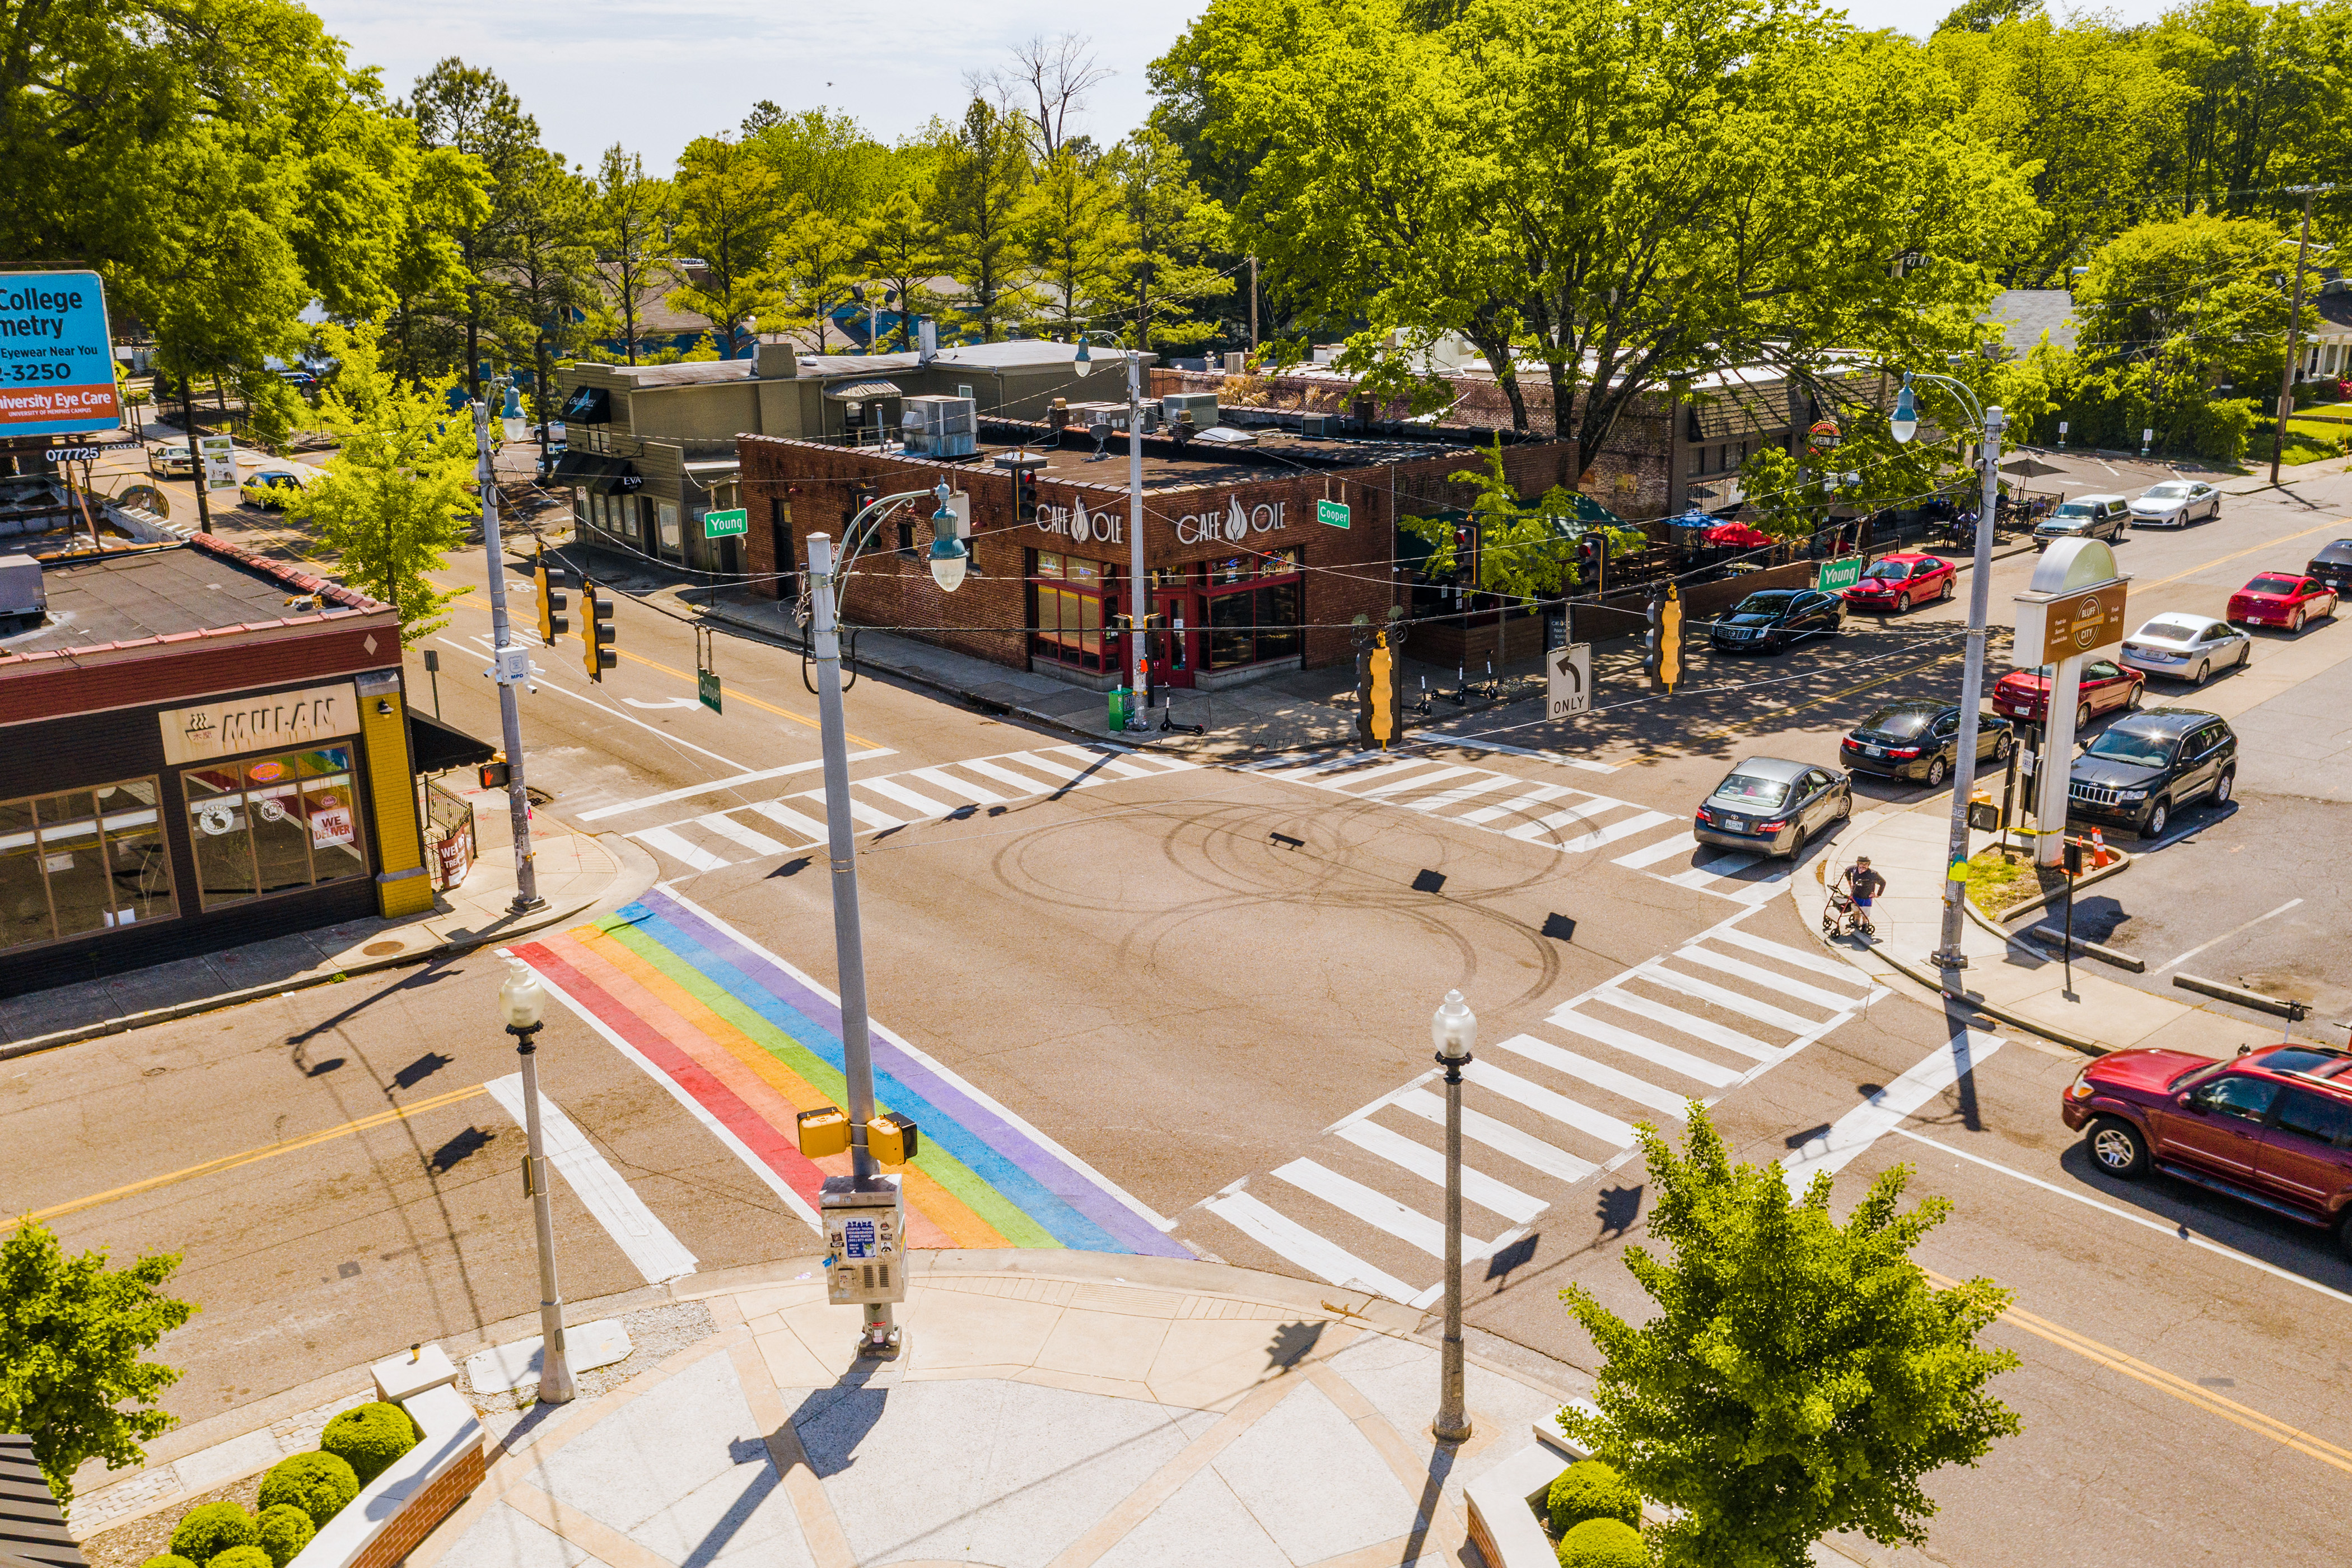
(2176, 503)
(2186, 647)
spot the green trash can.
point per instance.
(1118, 700)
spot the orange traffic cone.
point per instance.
(2098, 849)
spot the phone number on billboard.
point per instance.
(48, 370)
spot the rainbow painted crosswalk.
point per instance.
(746, 1042)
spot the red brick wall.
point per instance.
(407, 1530)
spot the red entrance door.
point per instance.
(1177, 648)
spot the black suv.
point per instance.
(2145, 766)
(1770, 620)
(2332, 566)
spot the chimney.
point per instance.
(777, 360)
(929, 341)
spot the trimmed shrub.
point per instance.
(209, 1531)
(167, 1560)
(1603, 1543)
(368, 1437)
(241, 1557)
(1590, 1489)
(285, 1531)
(318, 1484)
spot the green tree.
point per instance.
(633, 214)
(2200, 290)
(397, 495)
(1799, 1376)
(552, 281)
(448, 195)
(1081, 239)
(470, 111)
(976, 208)
(1525, 551)
(2260, 81)
(898, 248)
(823, 158)
(72, 1331)
(728, 204)
(814, 267)
(1172, 225)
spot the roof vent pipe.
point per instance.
(929, 340)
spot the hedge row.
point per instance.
(299, 1495)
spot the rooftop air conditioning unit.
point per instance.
(1315, 425)
(1202, 406)
(940, 427)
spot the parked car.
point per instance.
(1771, 806)
(1920, 740)
(2145, 766)
(2271, 1128)
(2187, 648)
(1770, 620)
(2176, 503)
(170, 460)
(2281, 599)
(2025, 693)
(2332, 565)
(1898, 582)
(271, 487)
(2085, 517)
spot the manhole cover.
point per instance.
(378, 949)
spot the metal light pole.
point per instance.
(520, 998)
(949, 560)
(1139, 588)
(1903, 426)
(511, 667)
(1453, 1029)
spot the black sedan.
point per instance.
(2332, 566)
(1919, 740)
(1769, 621)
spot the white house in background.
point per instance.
(2328, 354)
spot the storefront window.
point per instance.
(1252, 625)
(87, 860)
(273, 825)
(1068, 612)
(667, 513)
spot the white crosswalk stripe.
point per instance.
(708, 841)
(1549, 1109)
(1570, 820)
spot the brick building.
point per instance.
(1254, 573)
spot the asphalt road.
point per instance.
(1205, 983)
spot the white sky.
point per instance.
(655, 77)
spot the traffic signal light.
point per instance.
(1662, 646)
(1466, 554)
(1592, 562)
(551, 625)
(595, 636)
(1380, 712)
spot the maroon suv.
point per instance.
(2272, 1127)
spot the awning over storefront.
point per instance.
(588, 405)
(436, 747)
(863, 392)
(604, 476)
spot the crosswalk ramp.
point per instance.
(797, 821)
(1545, 1112)
(1558, 816)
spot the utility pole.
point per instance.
(1253, 304)
(879, 1338)
(510, 666)
(1453, 1029)
(1948, 954)
(195, 452)
(1139, 587)
(2294, 320)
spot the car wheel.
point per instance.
(1902, 604)
(2000, 745)
(2223, 785)
(2118, 1147)
(2158, 818)
(1949, 583)
(2082, 718)
(2245, 653)
(1937, 773)
(2131, 702)
(2204, 673)
(1845, 804)
(2295, 625)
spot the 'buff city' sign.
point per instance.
(1232, 525)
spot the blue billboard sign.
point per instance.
(57, 355)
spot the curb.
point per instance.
(1997, 923)
(127, 1021)
(1935, 983)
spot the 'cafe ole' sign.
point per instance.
(1230, 525)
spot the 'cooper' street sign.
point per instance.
(1331, 512)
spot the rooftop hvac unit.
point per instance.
(1201, 405)
(942, 427)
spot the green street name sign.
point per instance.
(1334, 512)
(706, 685)
(726, 525)
(1842, 573)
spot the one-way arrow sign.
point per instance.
(1567, 680)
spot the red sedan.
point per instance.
(2281, 599)
(2025, 693)
(1898, 582)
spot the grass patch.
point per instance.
(1998, 878)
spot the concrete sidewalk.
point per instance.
(2010, 978)
(578, 872)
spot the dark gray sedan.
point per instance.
(1768, 805)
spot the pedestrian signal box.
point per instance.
(823, 1132)
(865, 1229)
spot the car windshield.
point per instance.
(2166, 631)
(2272, 586)
(1747, 789)
(1892, 570)
(2073, 508)
(2194, 1077)
(2166, 492)
(2125, 746)
(1902, 721)
(1763, 604)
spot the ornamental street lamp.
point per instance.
(1453, 1029)
(1903, 426)
(521, 999)
(1139, 587)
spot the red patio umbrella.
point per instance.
(1744, 535)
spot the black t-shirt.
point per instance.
(1865, 882)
